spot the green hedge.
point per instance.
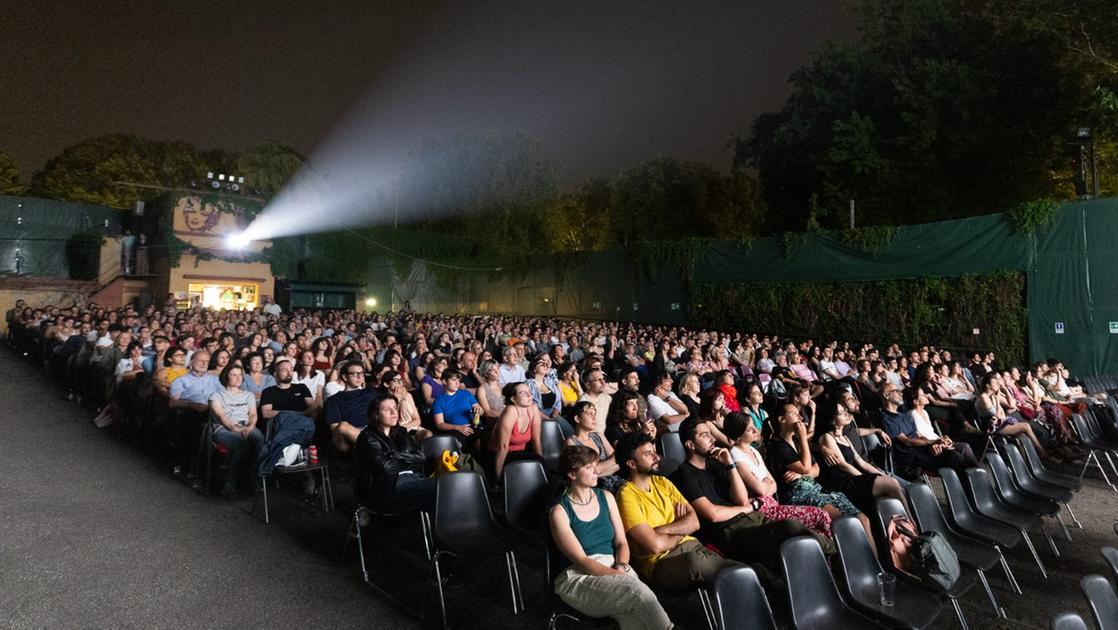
(936, 311)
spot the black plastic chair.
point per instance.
(811, 589)
(912, 608)
(1104, 603)
(965, 519)
(886, 510)
(1095, 445)
(434, 446)
(527, 494)
(464, 527)
(1042, 473)
(980, 556)
(985, 501)
(1110, 554)
(1067, 621)
(671, 447)
(1025, 481)
(740, 602)
(1013, 496)
(551, 440)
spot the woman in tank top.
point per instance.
(586, 527)
(519, 425)
(489, 392)
(585, 417)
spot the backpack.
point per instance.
(924, 556)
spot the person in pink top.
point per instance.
(520, 424)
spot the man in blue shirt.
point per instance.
(916, 447)
(455, 408)
(190, 402)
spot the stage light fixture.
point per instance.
(215, 184)
(371, 302)
(221, 176)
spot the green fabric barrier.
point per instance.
(42, 234)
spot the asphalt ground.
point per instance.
(96, 533)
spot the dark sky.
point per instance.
(603, 85)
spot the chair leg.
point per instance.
(1111, 462)
(1051, 543)
(998, 610)
(1063, 526)
(516, 578)
(1067, 506)
(439, 586)
(1036, 556)
(512, 581)
(264, 490)
(1012, 579)
(425, 529)
(708, 609)
(360, 544)
(959, 613)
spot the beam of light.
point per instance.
(239, 240)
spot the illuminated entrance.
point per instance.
(230, 297)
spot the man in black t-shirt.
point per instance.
(728, 517)
(285, 395)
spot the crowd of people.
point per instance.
(779, 436)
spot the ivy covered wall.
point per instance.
(942, 311)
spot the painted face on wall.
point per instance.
(198, 217)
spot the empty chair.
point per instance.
(1067, 621)
(740, 602)
(551, 440)
(671, 447)
(1012, 496)
(464, 527)
(886, 510)
(980, 556)
(1024, 480)
(811, 589)
(1104, 603)
(527, 494)
(986, 503)
(1037, 468)
(965, 519)
(913, 607)
(1088, 439)
(434, 446)
(1110, 554)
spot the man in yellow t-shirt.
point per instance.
(659, 521)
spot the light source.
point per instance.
(370, 302)
(237, 240)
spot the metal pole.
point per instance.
(852, 214)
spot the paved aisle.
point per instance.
(93, 535)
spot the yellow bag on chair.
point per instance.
(448, 463)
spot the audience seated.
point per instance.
(234, 417)
(390, 463)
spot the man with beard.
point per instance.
(287, 409)
(659, 521)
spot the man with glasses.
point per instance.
(594, 391)
(916, 447)
(190, 400)
(347, 411)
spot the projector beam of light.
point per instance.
(238, 240)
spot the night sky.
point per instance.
(603, 85)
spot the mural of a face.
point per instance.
(198, 217)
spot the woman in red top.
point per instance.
(519, 424)
(724, 382)
(323, 357)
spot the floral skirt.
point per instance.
(807, 491)
(813, 518)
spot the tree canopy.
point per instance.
(945, 108)
(10, 182)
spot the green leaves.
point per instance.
(10, 183)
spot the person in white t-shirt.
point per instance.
(665, 407)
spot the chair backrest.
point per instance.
(981, 490)
(551, 438)
(886, 510)
(1104, 603)
(1032, 458)
(926, 509)
(461, 506)
(741, 601)
(858, 562)
(434, 446)
(811, 589)
(1016, 462)
(672, 448)
(1003, 482)
(1067, 621)
(961, 511)
(1110, 554)
(1081, 427)
(526, 496)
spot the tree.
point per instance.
(667, 198)
(945, 108)
(100, 170)
(268, 167)
(579, 220)
(10, 183)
